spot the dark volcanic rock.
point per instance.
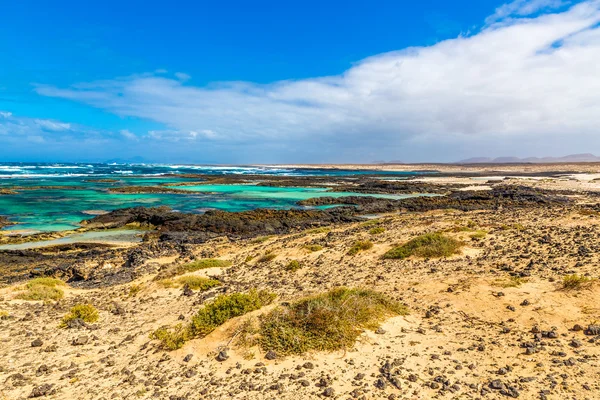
(505, 196)
(4, 222)
(200, 227)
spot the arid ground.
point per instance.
(514, 312)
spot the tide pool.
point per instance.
(56, 197)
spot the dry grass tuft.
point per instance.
(431, 245)
(211, 316)
(325, 322)
(193, 282)
(576, 282)
(358, 246)
(42, 289)
(85, 312)
(203, 264)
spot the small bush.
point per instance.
(371, 223)
(478, 235)
(211, 316)
(359, 246)
(204, 264)
(42, 289)
(226, 307)
(576, 282)
(429, 245)
(318, 230)
(293, 266)
(267, 258)
(260, 239)
(512, 281)
(172, 338)
(85, 312)
(194, 282)
(135, 289)
(376, 231)
(48, 282)
(313, 247)
(326, 322)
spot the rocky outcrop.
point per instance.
(219, 223)
(505, 196)
(4, 222)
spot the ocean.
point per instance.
(56, 197)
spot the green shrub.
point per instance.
(322, 229)
(267, 258)
(376, 231)
(358, 246)
(478, 235)
(194, 282)
(260, 239)
(325, 322)
(226, 307)
(172, 338)
(48, 282)
(293, 266)
(204, 264)
(85, 312)
(313, 247)
(429, 245)
(371, 223)
(576, 282)
(211, 316)
(42, 289)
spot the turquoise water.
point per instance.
(108, 236)
(64, 208)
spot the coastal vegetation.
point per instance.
(85, 312)
(430, 245)
(267, 257)
(211, 316)
(358, 246)
(377, 230)
(42, 289)
(313, 247)
(293, 266)
(192, 281)
(576, 282)
(324, 322)
(203, 264)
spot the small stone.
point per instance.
(329, 392)
(271, 355)
(188, 358)
(37, 343)
(80, 340)
(380, 331)
(222, 356)
(42, 390)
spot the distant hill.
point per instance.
(586, 157)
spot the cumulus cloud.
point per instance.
(526, 80)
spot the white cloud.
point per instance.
(50, 125)
(127, 134)
(518, 79)
(5, 114)
(521, 8)
(182, 76)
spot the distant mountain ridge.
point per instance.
(572, 158)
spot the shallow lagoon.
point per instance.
(57, 208)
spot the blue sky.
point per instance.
(310, 81)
